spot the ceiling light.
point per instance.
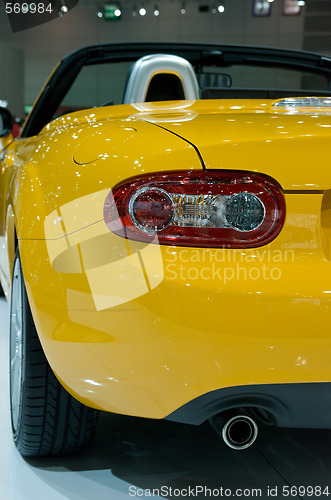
(64, 8)
(183, 9)
(156, 11)
(270, 1)
(142, 11)
(221, 9)
(111, 11)
(100, 14)
(301, 3)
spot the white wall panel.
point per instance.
(12, 77)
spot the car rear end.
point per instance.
(204, 289)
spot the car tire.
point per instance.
(46, 419)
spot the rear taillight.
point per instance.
(214, 208)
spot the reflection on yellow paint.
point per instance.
(178, 112)
(117, 282)
(117, 271)
(95, 145)
(173, 107)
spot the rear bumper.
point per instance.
(284, 405)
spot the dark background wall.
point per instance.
(41, 47)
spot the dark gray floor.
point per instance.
(131, 455)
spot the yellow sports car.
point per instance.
(166, 242)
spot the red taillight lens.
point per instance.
(215, 208)
(151, 209)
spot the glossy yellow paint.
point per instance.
(142, 329)
(211, 319)
(4, 141)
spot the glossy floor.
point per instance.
(132, 456)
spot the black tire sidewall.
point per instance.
(18, 430)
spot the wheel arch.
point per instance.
(11, 238)
(10, 246)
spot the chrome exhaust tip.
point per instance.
(238, 431)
